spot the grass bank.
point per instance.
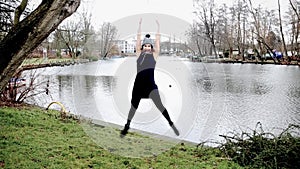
(52, 62)
(35, 138)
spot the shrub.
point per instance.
(260, 149)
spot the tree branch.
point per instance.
(19, 10)
(26, 35)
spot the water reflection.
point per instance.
(108, 84)
(293, 91)
(259, 88)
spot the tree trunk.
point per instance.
(30, 32)
(198, 47)
(297, 27)
(256, 25)
(281, 30)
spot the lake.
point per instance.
(203, 99)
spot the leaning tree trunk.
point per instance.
(26, 35)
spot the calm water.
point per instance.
(204, 99)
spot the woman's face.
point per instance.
(147, 47)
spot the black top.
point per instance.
(144, 81)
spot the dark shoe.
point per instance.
(175, 130)
(124, 131)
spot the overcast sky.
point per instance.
(113, 10)
(126, 13)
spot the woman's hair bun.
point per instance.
(147, 35)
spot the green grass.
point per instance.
(39, 61)
(35, 138)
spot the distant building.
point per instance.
(126, 46)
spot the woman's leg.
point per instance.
(154, 95)
(134, 105)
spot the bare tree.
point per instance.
(255, 16)
(241, 26)
(295, 22)
(206, 16)
(26, 35)
(227, 28)
(281, 30)
(264, 22)
(223, 29)
(73, 35)
(88, 33)
(107, 34)
(76, 34)
(295, 8)
(69, 34)
(195, 39)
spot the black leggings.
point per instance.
(154, 95)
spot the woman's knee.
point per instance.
(135, 103)
(157, 101)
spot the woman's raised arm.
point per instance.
(157, 41)
(138, 39)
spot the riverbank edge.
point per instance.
(32, 136)
(265, 62)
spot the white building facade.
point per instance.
(126, 46)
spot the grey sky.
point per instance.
(113, 10)
(174, 15)
(172, 28)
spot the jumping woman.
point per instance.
(144, 84)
